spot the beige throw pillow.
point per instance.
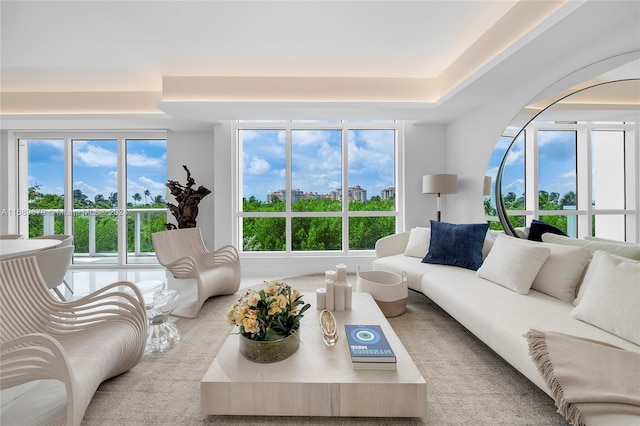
(610, 296)
(562, 271)
(513, 263)
(632, 251)
(418, 244)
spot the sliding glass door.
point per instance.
(71, 185)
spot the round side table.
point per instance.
(159, 301)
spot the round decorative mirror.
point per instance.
(570, 157)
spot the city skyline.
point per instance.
(356, 192)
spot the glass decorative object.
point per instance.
(162, 334)
(269, 350)
(329, 328)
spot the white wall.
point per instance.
(596, 33)
(196, 151)
(424, 154)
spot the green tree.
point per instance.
(568, 199)
(39, 201)
(80, 200)
(113, 199)
(158, 201)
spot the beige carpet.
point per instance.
(467, 383)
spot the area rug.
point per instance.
(467, 383)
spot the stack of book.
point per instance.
(369, 348)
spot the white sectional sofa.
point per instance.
(498, 315)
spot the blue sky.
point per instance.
(95, 167)
(317, 161)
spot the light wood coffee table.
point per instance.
(317, 380)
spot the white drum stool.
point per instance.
(390, 291)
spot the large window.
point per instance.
(576, 176)
(291, 180)
(72, 184)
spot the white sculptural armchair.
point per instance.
(65, 241)
(53, 265)
(183, 253)
(54, 355)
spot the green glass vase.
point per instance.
(271, 350)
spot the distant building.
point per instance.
(281, 195)
(356, 193)
(296, 194)
(388, 193)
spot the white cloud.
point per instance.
(56, 144)
(310, 137)
(516, 186)
(141, 160)
(503, 143)
(516, 156)
(151, 184)
(90, 155)
(257, 166)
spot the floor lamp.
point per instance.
(486, 187)
(439, 184)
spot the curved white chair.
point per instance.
(53, 265)
(54, 355)
(65, 240)
(11, 237)
(183, 253)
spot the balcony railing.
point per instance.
(97, 231)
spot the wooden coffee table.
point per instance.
(317, 380)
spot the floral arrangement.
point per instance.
(269, 314)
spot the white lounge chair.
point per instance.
(65, 240)
(53, 265)
(213, 273)
(54, 355)
(11, 237)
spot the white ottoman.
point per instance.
(390, 291)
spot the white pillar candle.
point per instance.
(339, 296)
(321, 298)
(329, 286)
(348, 296)
(341, 273)
(330, 275)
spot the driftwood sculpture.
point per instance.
(188, 199)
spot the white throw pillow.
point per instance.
(562, 271)
(632, 251)
(418, 244)
(487, 244)
(608, 240)
(512, 263)
(611, 296)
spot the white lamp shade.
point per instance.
(440, 184)
(486, 188)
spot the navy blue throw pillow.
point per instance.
(539, 227)
(456, 244)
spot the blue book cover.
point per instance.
(367, 343)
